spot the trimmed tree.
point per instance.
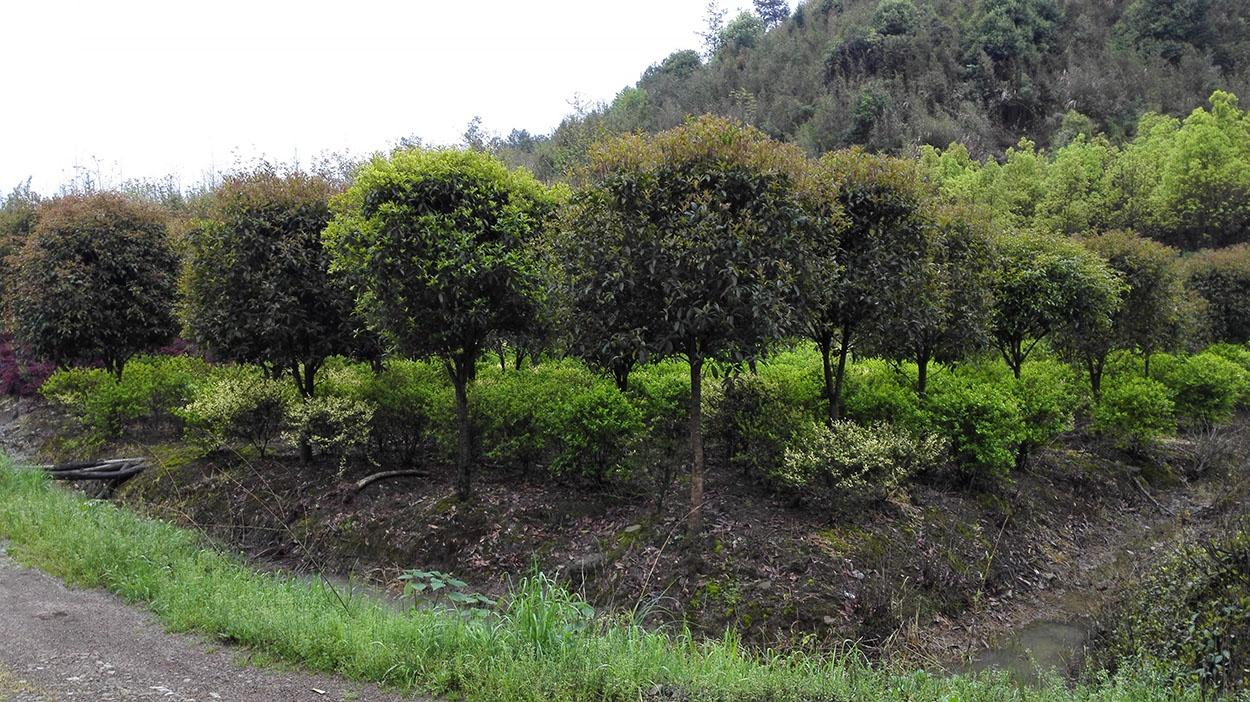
(865, 264)
(439, 247)
(702, 224)
(95, 281)
(1047, 284)
(944, 317)
(1222, 278)
(256, 283)
(1151, 316)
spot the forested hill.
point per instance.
(895, 74)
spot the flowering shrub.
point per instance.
(852, 456)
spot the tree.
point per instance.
(713, 25)
(773, 12)
(1151, 316)
(702, 225)
(1047, 284)
(863, 263)
(438, 246)
(18, 214)
(95, 281)
(1222, 278)
(944, 317)
(256, 284)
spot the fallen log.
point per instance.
(385, 475)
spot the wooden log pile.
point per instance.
(111, 472)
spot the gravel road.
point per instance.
(62, 644)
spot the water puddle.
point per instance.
(1041, 647)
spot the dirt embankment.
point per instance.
(938, 574)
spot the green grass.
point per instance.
(541, 645)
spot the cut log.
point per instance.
(386, 475)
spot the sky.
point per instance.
(143, 89)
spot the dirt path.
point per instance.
(62, 644)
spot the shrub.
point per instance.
(20, 376)
(333, 426)
(152, 389)
(238, 404)
(981, 420)
(595, 431)
(753, 418)
(851, 456)
(1134, 412)
(1048, 394)
(412, 406)
(878, 392)
(1206, 387)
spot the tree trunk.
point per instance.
(620, 374)
(1095, 375)
(835, 402)
(694, 521)
(1146, 364)
(825, 342)
(464, 454)
(922, 374)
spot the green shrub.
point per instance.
(595, 432)
(1048, 393)
(1134, 412)
(238, 404)
(330, 425)
(151, 389)
(752, 419)
(878, 392)
(851, 456)
(982, 421)
(1206, 388)
(1237, 353)
(412, 406)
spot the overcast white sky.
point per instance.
(140, 88)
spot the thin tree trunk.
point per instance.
(922, 374)
(694, 521)
(464, 454)
(835, 402)
(1146, 364)
(825, 342)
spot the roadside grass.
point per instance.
(541, 644)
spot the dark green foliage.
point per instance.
(412, 405)
(863, 272)
(686, 242)
(1222, 278)
(439, 247)
(1151, 317)
(945, 317)
(94, 281)
(18, 213)
(1194, 611)
(257, 286)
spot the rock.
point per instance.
(633, 528)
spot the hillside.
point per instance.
(896, 74)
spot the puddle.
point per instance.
(1042, 646)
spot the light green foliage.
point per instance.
(1051, 285)
(853, 456)
(334, 426)
(1206, 387)
(1075, 198)
(1134, 412)
(238, 404)
(440, 246)
(412, 403)
(152, 388)
(877, 391)
(542, 644)
(557, 414)
(983, 422)
(1048, 394)
(741, 32)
